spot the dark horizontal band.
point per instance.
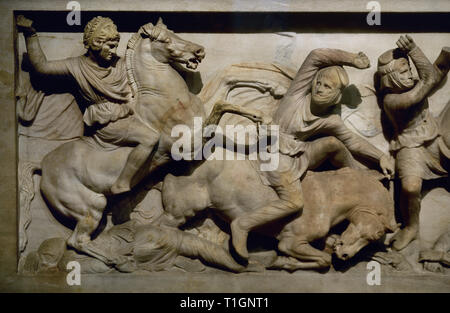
(252, 22)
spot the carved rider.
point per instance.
(306, 111)
(416, 142)
(102, 83)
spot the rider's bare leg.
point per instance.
(147, 140)
(290, 201)
(136, 159)
(332, 149)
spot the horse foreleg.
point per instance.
(303, 251)
(221, 107)
(291, 264)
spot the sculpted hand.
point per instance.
(361, 61)
(24, 24)
(406, 43)
(387, 165)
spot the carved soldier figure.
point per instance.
(416, 141)
(306, 111)
(102, 82)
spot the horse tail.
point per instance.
(197, 247)
(27, 192)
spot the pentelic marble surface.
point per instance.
(250, 153)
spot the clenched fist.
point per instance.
(406, 43)
(361, 61)
(24, 24)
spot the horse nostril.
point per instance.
(200, 52)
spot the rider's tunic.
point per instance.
(108, 100)
(298, 124)
(105, 90)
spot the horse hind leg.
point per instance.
(87, 222)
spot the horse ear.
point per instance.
(146, 30)
(161, 24)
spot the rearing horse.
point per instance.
(77, 175)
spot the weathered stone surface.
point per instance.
(149, 252)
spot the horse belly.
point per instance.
(103, 168)
(334, 193)
(334, 189)
(328, 196)
(184, 196)
(76, 163)
(238, 189)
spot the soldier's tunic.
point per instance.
(298, 124)
(416, 134)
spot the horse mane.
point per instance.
(129, 59)
(129, 55)
(154, 32)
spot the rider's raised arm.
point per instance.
(39, 61)
(317, 59)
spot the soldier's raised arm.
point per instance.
(35, 53)
(324, 57)
(427, 73)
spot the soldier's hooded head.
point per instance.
(394, 71)
(327, 86)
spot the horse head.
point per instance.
(365, 226)
(166, 47)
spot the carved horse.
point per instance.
(232, 188)
(77, 175)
